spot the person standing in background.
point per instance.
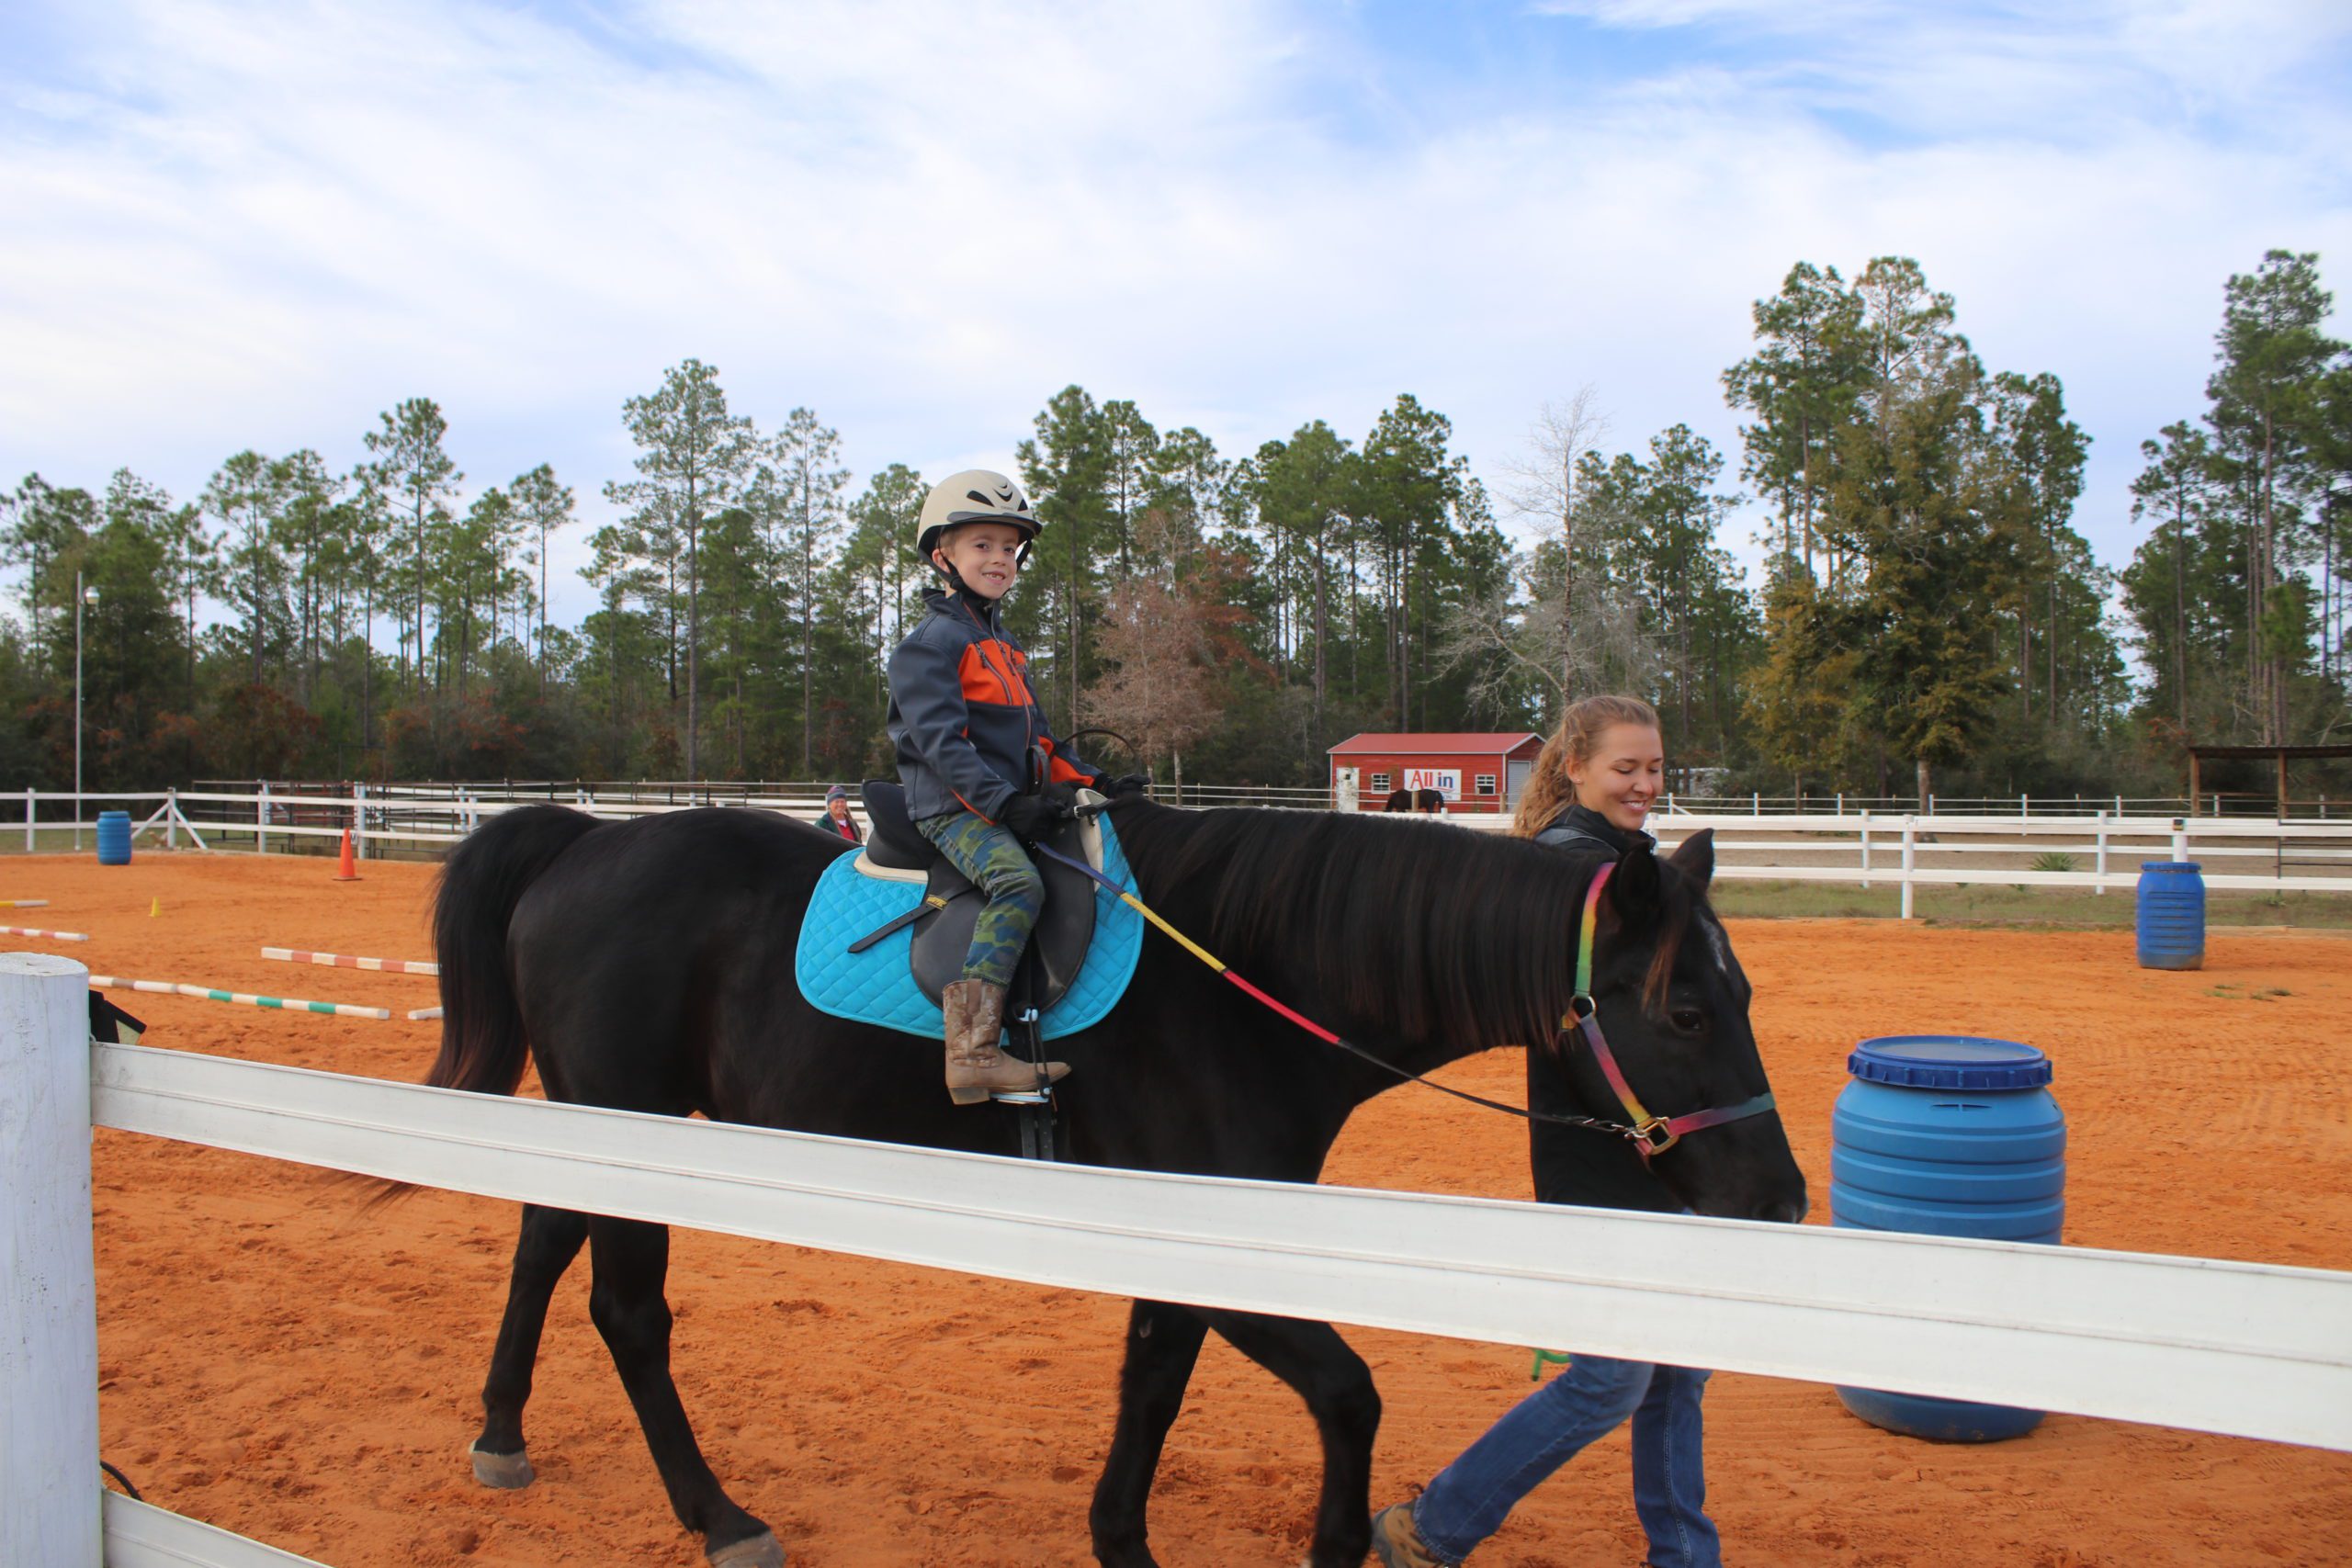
(837, 819)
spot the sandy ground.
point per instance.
(277, 1361)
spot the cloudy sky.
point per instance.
(260, 224)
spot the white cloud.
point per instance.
(250, 226)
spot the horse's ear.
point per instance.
(1694, 857)
(1635, 890)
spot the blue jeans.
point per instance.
(1472, 1497)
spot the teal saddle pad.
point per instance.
(878, 987)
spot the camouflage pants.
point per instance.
(1000, 868)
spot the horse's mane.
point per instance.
(1435, 932)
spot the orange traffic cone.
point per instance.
(349, 870)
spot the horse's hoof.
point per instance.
(759, 1551)
(507, 1473)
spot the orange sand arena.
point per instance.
(277, 1361)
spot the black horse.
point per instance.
(648, 965)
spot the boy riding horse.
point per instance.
(981, 769)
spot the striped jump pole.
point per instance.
(24, 903)
(54, 936)
(242, 999)
(421, 1014)
(344, 960)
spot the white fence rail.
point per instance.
(2308, 857)
(140, 1535)
(1865, 847)
(2250, 1350)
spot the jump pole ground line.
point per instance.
(242, 999)
(343, 961)
(421, 1014)
(24, 903)
(54, 936)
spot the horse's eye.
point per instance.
(1690, 1021)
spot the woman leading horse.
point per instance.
(648, 965)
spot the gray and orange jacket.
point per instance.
(963, 716)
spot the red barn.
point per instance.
(1475, 772)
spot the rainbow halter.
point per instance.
(1651, 1134)
(1642, 1129)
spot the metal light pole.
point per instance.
(81, 596)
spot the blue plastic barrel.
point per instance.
(1947, 1134)
(114, 838)
(2172, 915)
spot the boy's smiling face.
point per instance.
(985, 555)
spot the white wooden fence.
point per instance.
(1873, 849)
(2251, 1350)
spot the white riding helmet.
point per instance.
(976, 495)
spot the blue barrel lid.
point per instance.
(1948, 1061)
(2172, 866)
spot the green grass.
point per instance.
(2008, 906)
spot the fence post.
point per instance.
(1841, 803)
(170, 817)
(2025, 807)
(2102, 853)
(1910, 840)
(1866, 848)
(2179, 839)
(358, 819)
(261, 820)
(1755, 803)
(48, 1296)
(28, 819)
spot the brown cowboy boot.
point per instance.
(973, 1013)
(1397, 1542)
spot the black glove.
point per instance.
(1125, 783)
(1032, 816)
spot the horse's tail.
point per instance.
(483, 1047)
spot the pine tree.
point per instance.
(692, 456)
(1068, 468)
(2266, 413)
(418, 483)
(1802, 385)
(806, 456)
(543, 508)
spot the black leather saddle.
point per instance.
(951, 906)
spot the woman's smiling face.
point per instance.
(1625, 773)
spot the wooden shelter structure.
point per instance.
(2199, 755)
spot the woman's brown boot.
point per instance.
(1397, 1542)
(973, 1013)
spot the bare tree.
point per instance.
(1157, 636)
(1541, 485)
(1514, 637)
